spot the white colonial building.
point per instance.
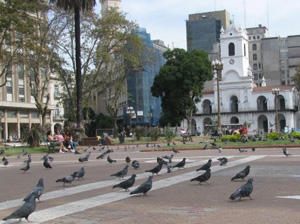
(240, 99)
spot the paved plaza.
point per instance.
(172, 199)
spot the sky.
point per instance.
(165, 19)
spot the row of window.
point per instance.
(254, 37)
(25, 114)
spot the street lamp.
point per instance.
(130, 113)
(275, 91)
(218, 67)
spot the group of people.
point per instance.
(65, 143)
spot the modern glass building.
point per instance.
(143, 108)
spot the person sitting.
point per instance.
(55, 142)
(61, 138)
(69, 141)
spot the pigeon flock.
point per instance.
(29, 205)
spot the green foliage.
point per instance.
(180, 82)
(139, 132)
(35, 135)
(154, 133)
(295, 134)
(169, 134)
(231, 138)
(273, 136)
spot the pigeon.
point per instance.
(253, 149)
(144, 187)
(206, 166)
(242, 174)
(127, 159)
(220, 149)
(121, 174)
(1, 151)
(181, 164)
(101, 156)
(213, 144)
(205, 147)
(169, 166)
(286, 152)
(168, 157)
(68, 179)
(80, 173)
(5, 162)
(38, 190)
(84, 159)
(28, 160)
(46, 162)
(203, 178)
(223, 161)
(111, 160)
(160, 160)
(3, 159)
(126, 183)
(26, 168)
(25, 210)
(24, 152)
(94, 148)
(135, 164)
(156, 169)
(174, 143)
(244, 191)
(242, 150)
(175, 151)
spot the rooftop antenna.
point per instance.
(245, 24)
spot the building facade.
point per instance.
(203, 29)
(242, 101)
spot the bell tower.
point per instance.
(234, 51)
(107, 4)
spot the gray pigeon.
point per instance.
(286, 152)
(144, 187)
(156, 169)
(5, 161)
(127, 159)
(26, 168)
(28, 160)
(101, 156)
(122, 173)
(175, 151)
(68, 179)
(85, 158)
(206, 166)
(25, 210)
(181, 164)
(38, 190)
(46, 162)
(135, 164)
(223, 161)
(242, 174)
(168, 157)
(244, 191)
(203, 178)
(110, 160)
(80, 173)
(126, 183)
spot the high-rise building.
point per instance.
(203, 29)
(255, 36)
(147, 109)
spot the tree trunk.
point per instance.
(115, 127)
(78, 69)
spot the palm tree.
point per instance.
(77, 6)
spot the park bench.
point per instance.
(51, 146)
(186, 137)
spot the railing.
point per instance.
(269, 109)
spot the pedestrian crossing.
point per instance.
(40, 216)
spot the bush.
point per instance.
(139, 132)
(169, 134)
(35, 135)
(231, 138)
(273, 136)
(154, 133)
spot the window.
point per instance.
(34, 115)
(253, 37)
(21, 93)
(254, 47)
(254, 66)
(231, 49)
(260, 75)
(258, 37)
(245, 50)
(255, 76)
(283, 82)
(24, 114)
(56, 91)
(254, 57)
(9, 85)
(249, 37)
(11, 114)
(21, 72)
(56, 113)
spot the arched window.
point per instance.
(245, 51)
(231, 49)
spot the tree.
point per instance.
(15, 23)
(180, 82)
(77, 6)
(296, 77)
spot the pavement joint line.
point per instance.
(92, 202)
(289, 197)
(86, 187)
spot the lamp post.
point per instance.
(218, 67)
(130, 113)
(275, 91)
(1, 115)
